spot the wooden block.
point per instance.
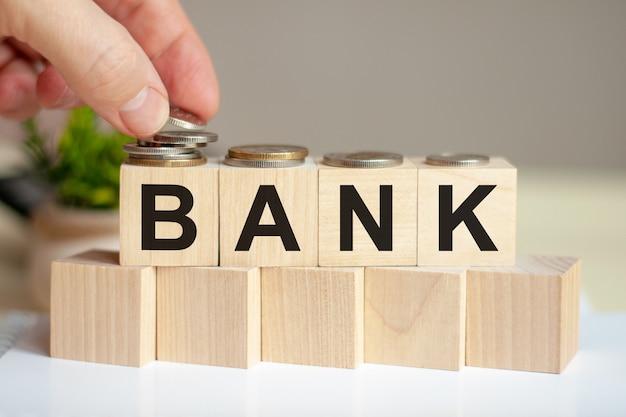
(209, 316)
(386, 197)
(524, 317)
(478, 226)
(169, 216)
(268, 216)
(312, 316)
(101, 311)
(415, 316)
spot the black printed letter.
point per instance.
(350, 201)
(149, 217)
(449, 220)
(267, 195)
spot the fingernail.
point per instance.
(145, 114)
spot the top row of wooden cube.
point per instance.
(315, 214)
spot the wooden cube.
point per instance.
(379, 215)
(466, 215)
(101, 311)
(209, 316)
(415, 316)
(524, 317)
(268, 216)
(169, 215)
(312, 316)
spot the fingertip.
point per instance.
(213, 102)
(146, 113)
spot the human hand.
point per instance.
(126, 59)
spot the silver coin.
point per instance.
(363, 159)
(169, 157)
(136, 149)
(151, 143)
(457, 160)
(263, 163)
(185, 137)
(181, 118)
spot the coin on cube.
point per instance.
(183, 119)
(457, 159)
(369, 159)
(166, 163)
(268, 152)
(189, 154)
(263, 163)
(136, 149)
(156, 144)
(185, 137)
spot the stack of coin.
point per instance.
(363, 159)
(266, 156)
(173, 148)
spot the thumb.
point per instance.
(99, 60)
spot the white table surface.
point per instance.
(33, 384)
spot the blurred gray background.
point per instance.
(540, 82)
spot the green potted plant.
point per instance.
(82, 169)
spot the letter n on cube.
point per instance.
(367, 216)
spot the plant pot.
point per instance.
(59, 232)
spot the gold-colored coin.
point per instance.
(268, 152)
(363, 159)
(165, 163)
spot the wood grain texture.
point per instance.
(313, 316)
(415, 316)
(202, 182)
(297, 190)
(367, 182)
(209, 316)
(496, 213)
(101, 311)
(524, 317)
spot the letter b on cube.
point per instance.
(169, 215)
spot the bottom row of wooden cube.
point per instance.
(523, 317)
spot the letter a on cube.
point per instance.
(268, 216)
